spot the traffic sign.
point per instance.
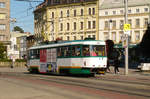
(127, 32)
(127, 27)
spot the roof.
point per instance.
(17, 34)
(66, 43)
(108, 4)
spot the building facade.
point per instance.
(111, 19)
(18, 45)
(66, 19)
(100, 19)
(4, 20)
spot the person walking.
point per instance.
(116, 61)
(116, 66)
(107, 68)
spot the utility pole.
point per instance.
(127, 38)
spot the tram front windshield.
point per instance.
(93, 50)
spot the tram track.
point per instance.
(124, 87)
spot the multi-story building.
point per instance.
(111, 19)
(66, 19)
(22, 46)
(4, 21)
(18, 45)
(100, 19)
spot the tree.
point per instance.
(17, 28)
(2, 51)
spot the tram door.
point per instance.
(51, 60)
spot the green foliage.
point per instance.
(2, 51)
(5, 60)
(17, 28)
(20, 60)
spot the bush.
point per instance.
(20, 60)
(5, 60)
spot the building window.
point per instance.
(106, 35)
(129, 11)
(61, 27)
(137, 35)
(121, 11)
(106, 24)
(94, 24)
(81, 12)
(145, 22)
(106, 13)
(75, 26)
(68, 13)
(130, 22)
(145, 9)
(2, 16)
(93, 36)
(74, 37)
(89, 36)
(89, 24)
(68, 38)
(121, 24)
(114, 12)
(68, 26)
(81, 25)
(114, 36)
(61, 14)
(1, 38)
(81, 37)
(93, 11)
(89, 11)
(120, 35)
(114, 24)
(137, 10)
(52, 14)
(2, 26)
(2, 5)
(137, 23)
(75, 13)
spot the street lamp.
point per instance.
(110, 21)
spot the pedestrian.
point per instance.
(116, 61)
(108, 65)
(116, 66)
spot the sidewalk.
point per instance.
(133, 75)
(15, 69)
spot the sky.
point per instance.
(23, 12)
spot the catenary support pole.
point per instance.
(127, 39)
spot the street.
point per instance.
(17, 83)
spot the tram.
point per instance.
(68, 57)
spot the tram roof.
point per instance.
(66, 43)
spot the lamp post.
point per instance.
(127, 38)
(110, 21)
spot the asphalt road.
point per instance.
(18, 84)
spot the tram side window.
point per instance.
(59, 52)
(63, 51)
(86, 50)
(100, 50)
(34, 54)
(76, 51)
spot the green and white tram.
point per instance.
(70, 57)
